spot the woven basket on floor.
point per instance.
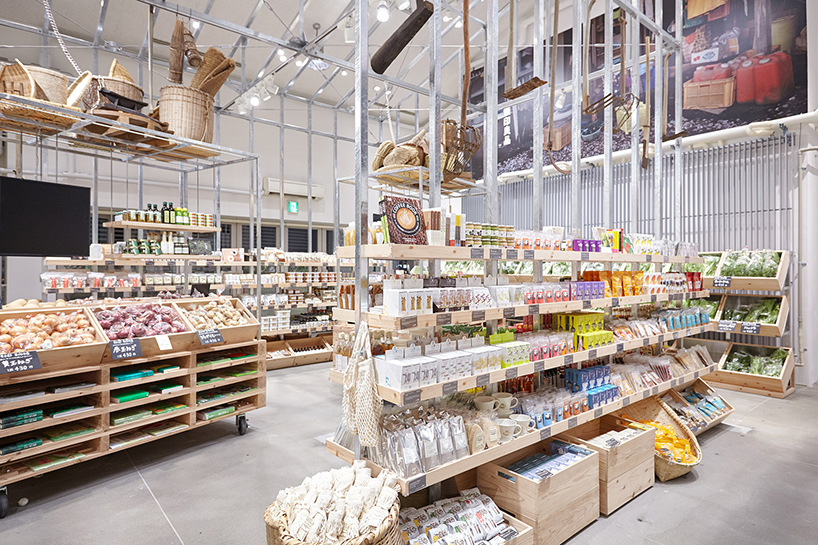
(657, 410)
(386, 534)
(53, 84)
(188, 112)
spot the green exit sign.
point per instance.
(293, 207)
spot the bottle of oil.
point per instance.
(377, 345)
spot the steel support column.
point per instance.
(537, 204)
(576, 116)
(361, 155)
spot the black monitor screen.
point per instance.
(43, 219)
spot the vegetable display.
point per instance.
(754, 364)
(45, 331)
(760, 263)
(764, 311)
(215, 314)
(144, 320)
(710, 306)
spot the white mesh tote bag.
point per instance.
(362, 405)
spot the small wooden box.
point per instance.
(557, 507)
(702, 387)
(758, 283)
(708, 95)
(780, 386)
(562, 136)
(320, 350)
(626, 470)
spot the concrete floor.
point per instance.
(756, 484)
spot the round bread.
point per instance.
(383, 150)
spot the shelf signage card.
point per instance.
(123, 349)
(477, 253)
(528, 255)
(416, 485)
(411, 397)
(17, 362)
(727, 325)
(511, 254)
(210, 336)
(449, 388)
(164, 342)
(751, 327)
(722, 281)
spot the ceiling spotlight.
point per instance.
(282, 58)
(349, 30)
(264, 93)
(458, 24)
(241, 106)
(344, 72)
(383, 11)
(320, 91)
(260, 74)
(299, 63)
(388, 91)
(377, 88)
(254, 101)
(280, 52)
(447, 18)
(195, 24)
(404, 5)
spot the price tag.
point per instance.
(653, 298)
(122, 349)
(495, 253)
(509, 312)
(649, 258)
(477, 253)
(722, 281)
(674, 383)
(667, 259)
(511, 254)
(615, 302)
(675, 334)
(411, 397)
(569, 359)
(55, 290)
(408, 321)
(482, 380)
(655, 390)
(94, 290)
(78, 290)
(620, 347)
(572, 422)
(533, 309)
(417, 485)
(511, 373)
(478, 315)
(598, 412)
(444, 319)
(645, 341)
(210, 336)
(18, 362)
(661, 339)
(164, 342)
(645, 394)
(696, 374)
(584, 256)
(528, 254)
(592, 354)
(109, 263)
(149, 262)
(751, 327)
(586, 303)
(539, 366)
(449, 388)
(180, 288)
(687, 259)
(209, 264)
(727, 325)
(545, 433)
(626, 401)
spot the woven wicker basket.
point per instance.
(92, 98)
(188, 112)
(53, 84)
(387, 533)
(657, 410)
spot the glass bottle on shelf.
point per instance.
(377, 345)
(157, 215)
(388, 344)
(165, 212)
(140, 215)
(171, 213)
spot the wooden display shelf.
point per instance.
(446, 471)
(396, 323)
(227, 400)
(226, 382)
(50, 398)
(239, 410)
(151, 398)
(128, 426)
(779, 387)
(702, 387)
(125, 260)
(461, 253)
(156, 377)
(47, 422)
(272, 332)
(50, 446)
(747, 328)
(160, 226)
(297, 306)
(432, 391)
(755, 283)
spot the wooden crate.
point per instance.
(279, 362)
(65, 357)
(557, 507)
(780, 386)
(323, 351)
(626, 470)
(180, 342)
(766, 330)
(703, 388)
(229, 334)
(709, 95)
(758, 283)
(562, 136)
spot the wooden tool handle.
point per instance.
(397, 42)
(466, 64)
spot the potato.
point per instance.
(19, 302)
(60, 303)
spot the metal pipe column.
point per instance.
(282, 244)
(309, 178)
(336, 209)
(659, 115)
(434, 106)
(491, 212)
(634, 29)
(607, 169)
(576, 116)
(539, 18)
(361, 154)
(678, 126)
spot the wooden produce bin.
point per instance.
(66, 357)
(562, 136)
(557, 507)
(780, 386)
(281, 361)
(709, 95)
(702, 387)
(625, 470)
(232, 334)
(759, 283)
(319, 350)
(768, 330)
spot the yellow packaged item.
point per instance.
(627, 285)
(638, 282)
(616, 285)
(605, 276)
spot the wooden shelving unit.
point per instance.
(150, 226)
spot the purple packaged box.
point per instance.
(587, 292)
(576, 244)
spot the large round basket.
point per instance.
(188, 112)
(388, 533)
(657, 410)
(53, 84)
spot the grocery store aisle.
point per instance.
(211, 485)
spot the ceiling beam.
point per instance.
(103, 11)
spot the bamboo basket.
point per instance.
(657, 410)
(93, 99)
(53, 84)
(15, 79)
(386, 534)
(188, 112)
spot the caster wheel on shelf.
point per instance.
(241, 424)
(4, 504)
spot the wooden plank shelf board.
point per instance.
(160, 226)
(446, 471)
(49, 446)
(139, 261)
(226, 400)
(156, 377)
(399, 397)
(755, 283)
(47, 422)
(272, 332)
(227, 381)
(238, 411)
(152, 397)
(49, 398)
(149, 439)
(127, 426)
(461, 253)
(19, 471)
(294, 306)
(396, 323)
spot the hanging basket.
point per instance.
(460, 143)
(386, 534)
(188, 112)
